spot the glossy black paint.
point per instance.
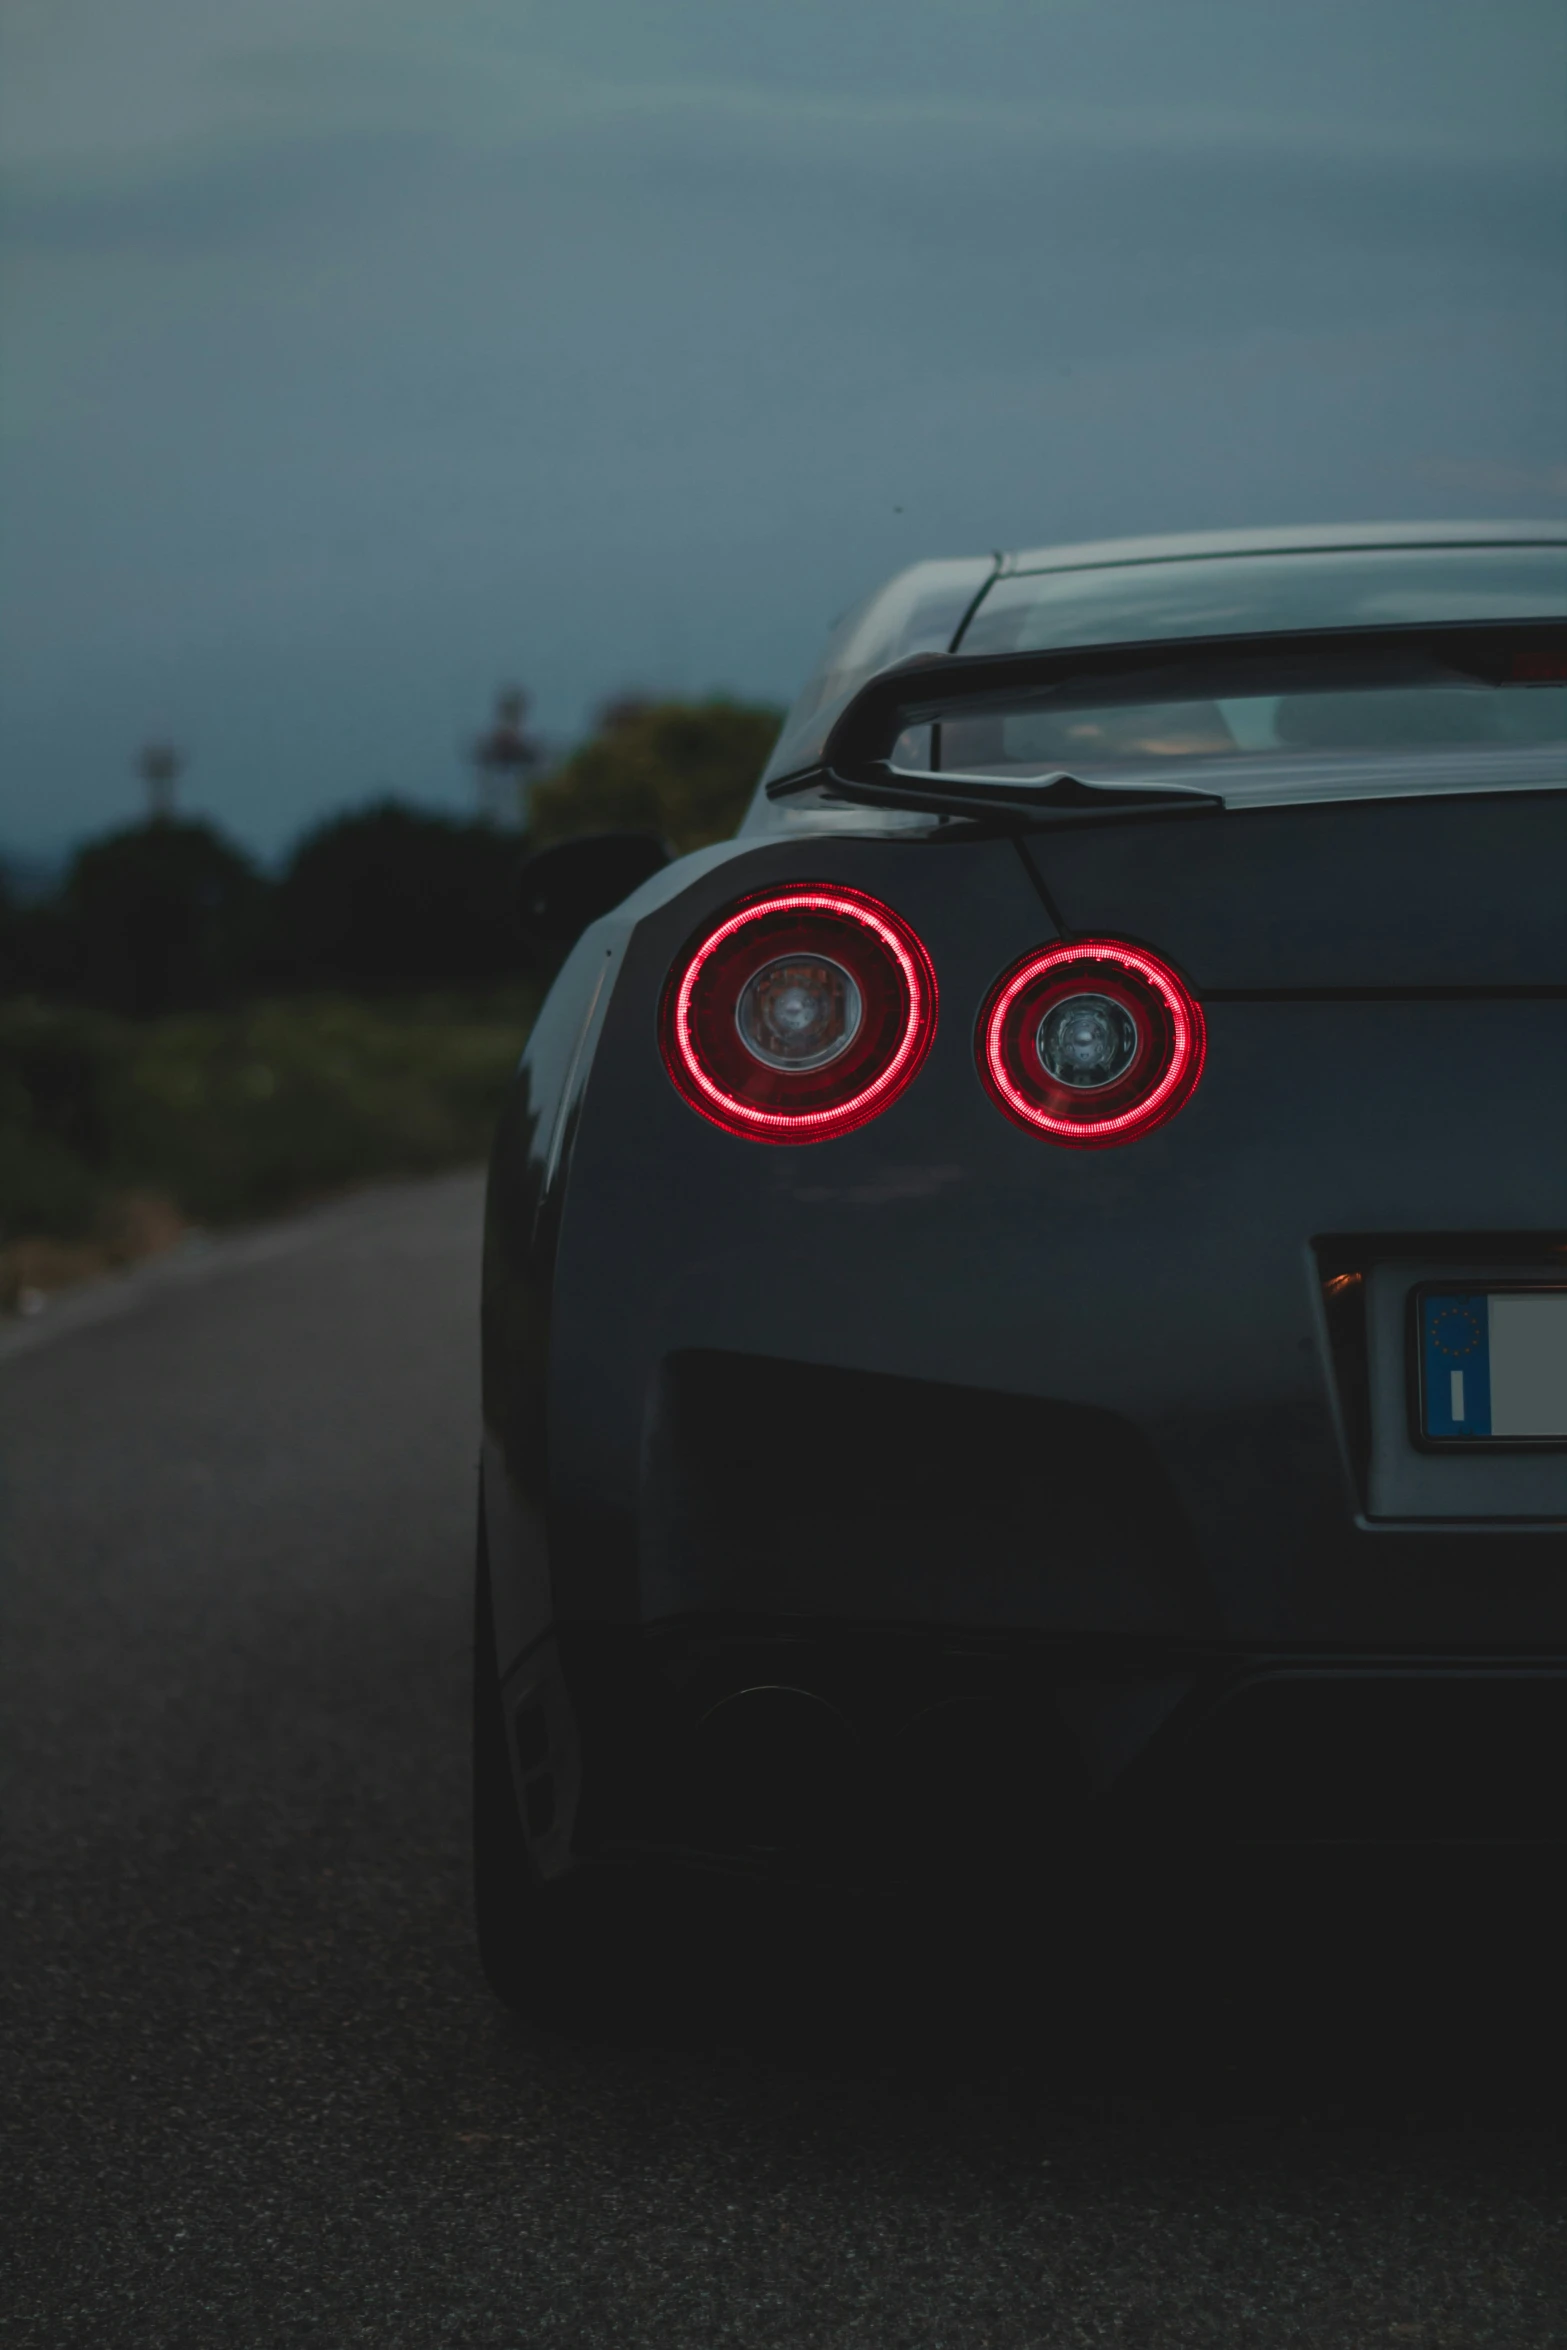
(1113, 1389)
(1415, 896)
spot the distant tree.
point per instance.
(392, 897)
(160, 917)
(683, 770)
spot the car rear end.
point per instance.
(946, 1486)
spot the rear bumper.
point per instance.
(883, 1754)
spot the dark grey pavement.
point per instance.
(254, 2091)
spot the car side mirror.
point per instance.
(564, 888)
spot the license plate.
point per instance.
(1492, 1365)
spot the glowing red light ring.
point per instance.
(732, 1111)
(1177, 1081)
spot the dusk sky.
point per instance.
(360, 357)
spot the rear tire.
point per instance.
(557, 1951)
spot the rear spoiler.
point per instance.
(856, 761)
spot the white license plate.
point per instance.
(1492, 1365)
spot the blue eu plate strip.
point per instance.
(1455, 1362)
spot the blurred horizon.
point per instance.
(359, 363)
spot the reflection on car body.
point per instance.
(954, 1372)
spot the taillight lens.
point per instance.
(1091, 1044)
(800, 1015)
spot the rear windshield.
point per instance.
(1278, 740)
(1229, 595)
(1500, 732)
(1252, 749)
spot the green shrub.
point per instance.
(236, 1114)
(682, 770)
(59, 1075)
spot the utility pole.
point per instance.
(160, 767)
(505, 757)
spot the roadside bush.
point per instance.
(59, 1081)
(227, 1115)
(235, 1116)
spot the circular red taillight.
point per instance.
(1091, 1043)
(800, 1015)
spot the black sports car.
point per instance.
(1025, 1295)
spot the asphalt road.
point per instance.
(254, 2089)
